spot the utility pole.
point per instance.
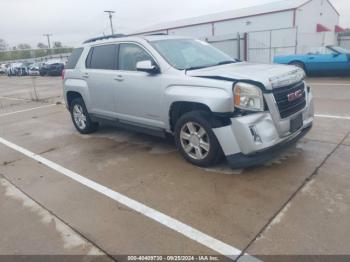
(48, 39)
(110, 19)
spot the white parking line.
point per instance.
(14, 98)
(176, 225)
(334, 117)
(26, 110)
(328, 84)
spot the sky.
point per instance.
(73, 21)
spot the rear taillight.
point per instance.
(63, 71)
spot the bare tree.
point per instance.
(23, 46)
(57, 44)
(41, 45)
(3, 45)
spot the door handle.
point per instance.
(86, 75)
(119, 78)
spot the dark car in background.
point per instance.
(52, 69)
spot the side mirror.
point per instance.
(147, 66)
(336, 54)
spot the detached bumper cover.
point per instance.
(239, 160)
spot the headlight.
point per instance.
(248, 97)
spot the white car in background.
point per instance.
(17, 69)
(3, 69)
(34, 69)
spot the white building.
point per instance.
(285, 27)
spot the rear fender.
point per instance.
(80, 86)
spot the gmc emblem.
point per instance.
(295, 95)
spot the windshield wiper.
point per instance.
(196, 67)
(220, 63)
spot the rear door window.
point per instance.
(102, 57)
(74, 57)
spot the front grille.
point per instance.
(288, 108)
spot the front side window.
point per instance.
(191, 54)
(130, 55)
(102, 57)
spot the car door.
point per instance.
(138, 94)
(326, 61)
(100, 77)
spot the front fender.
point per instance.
(216, 99)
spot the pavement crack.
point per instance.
(48, 150)
(122, 208)
(294, 194)
(62, 220)
(320, 141)
(6, 163)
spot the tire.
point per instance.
(81, 118)
(196, 140)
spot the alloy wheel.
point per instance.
(79, 116)
(195, 140)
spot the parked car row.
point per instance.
(52, 67)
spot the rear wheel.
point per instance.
(196, 140)
(81, 118)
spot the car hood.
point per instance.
(270, 75)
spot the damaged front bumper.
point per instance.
(254, 139)
(240, 160)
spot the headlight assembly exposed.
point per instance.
(248, 97)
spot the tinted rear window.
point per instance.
(73, 59)
(102, 57)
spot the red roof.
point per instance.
(322, 28)
(339, 29)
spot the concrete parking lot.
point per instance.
(116, 192)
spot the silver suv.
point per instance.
(212, 104)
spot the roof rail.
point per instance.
(157, 34)
(103, 37)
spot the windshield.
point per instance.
(187, 54)
(339, 49)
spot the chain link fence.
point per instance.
(34, 54)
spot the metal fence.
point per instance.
(344, 41)
(263, 46)
(34, 54)
(231, 44)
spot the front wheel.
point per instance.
(300, 65)
(81, 118)
(196, 140)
